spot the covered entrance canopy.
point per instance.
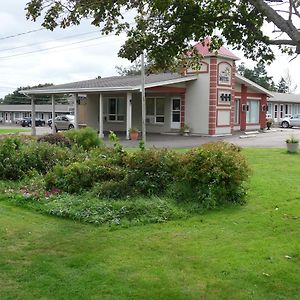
(114, 103)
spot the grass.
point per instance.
(13, 130)
(249, 252)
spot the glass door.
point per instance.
(175, 113)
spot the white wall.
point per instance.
(197, 104)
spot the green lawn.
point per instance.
(248, 252)
(13, 130)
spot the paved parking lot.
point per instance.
(274, 138)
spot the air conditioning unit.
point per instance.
(150, 119)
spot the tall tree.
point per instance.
(282, 86)
(258, 74)
(166, 28)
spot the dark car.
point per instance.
(26, 122)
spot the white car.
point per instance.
(64, 122)
(288, 122)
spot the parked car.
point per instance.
(64, 122)
(26, 122)
(288, 122)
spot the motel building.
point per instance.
(212, 101)
(14, 113)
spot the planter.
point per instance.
(292, 147)
(134, 136)
(186, 132)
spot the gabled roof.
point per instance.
(285, 97)
(115, 83)
(203, 48)
(243, 80)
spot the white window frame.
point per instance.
(237, 111)
(116, 115)
(155, 115)
(250, 111)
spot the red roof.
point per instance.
(223, 52)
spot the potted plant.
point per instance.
(185, 130)
(133, 133)
(269, 123)
(292, 144)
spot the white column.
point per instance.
(53, 114)
(33, 129)
(143, 98)
(76, 111)
(101, 134)
(128, 114)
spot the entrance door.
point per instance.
(175, 113)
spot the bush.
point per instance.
(57, 139)
(85, 138)
(212, 175)
(18, 158)
(150, 171)
(113, 189)
(79, 176)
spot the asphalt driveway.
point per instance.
(274, 138)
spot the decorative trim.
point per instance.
(223, 109)
(226, 104)
(167, 89)
(218, 74)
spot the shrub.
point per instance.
(151, 170)
(18, 158)
(57, 139)
(79, 176)
(113, 189)
(213, 174)
(85, 138)
(11, 164)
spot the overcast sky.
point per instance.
(85, 60)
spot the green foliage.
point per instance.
(17, 157)
(259, 75)
(18, 98)
(212, 175)
(56, 138)
(85, 138)
(151, 170)
(79, 176)
(98, 212)
(163, 28)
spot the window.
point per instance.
(155, 110)
(281, 111)
(236, 111)
(269, 108)
(252, 116)
(275, 111)
(224, 97)
(116, 109)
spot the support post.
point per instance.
(101, 134)
(76, 111)
(53, 114)
(128, 114)
(33, 129)
(143, 98)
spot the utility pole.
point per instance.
(143, 98)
